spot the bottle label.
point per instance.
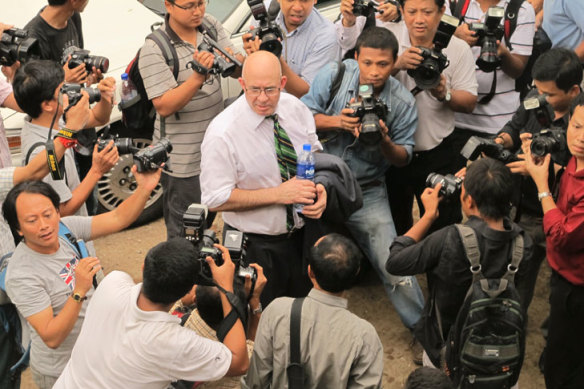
(305, 171)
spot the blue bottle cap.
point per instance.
(124, 76)
(306, 147)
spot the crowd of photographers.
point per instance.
(472, 107)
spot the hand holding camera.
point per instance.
(147, 180)
(85, 270)
(78, 114)
(431, 198)
(224, 272)
(107, 88)
(102, 161)
(267, 35)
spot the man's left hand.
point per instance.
(94, 77)
(431, 199)
(261, 282)
(147, 180)
(518, 167)
(315, 210)
(388, 12)
(107, 87)
(439, 91)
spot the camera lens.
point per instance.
(94, 95)
(488, 60)
(100, 63)
(125, 146)
(543, 145)
(271, 43)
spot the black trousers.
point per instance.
(403, 184)
(281, 258)
(564, 361)
(533, 226)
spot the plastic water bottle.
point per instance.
(304, 169)
(129, 90)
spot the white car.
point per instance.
(116, 29)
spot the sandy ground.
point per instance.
(126, 250)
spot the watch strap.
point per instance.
(542, 195)
(77, 297)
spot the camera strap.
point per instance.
(489, 96)
(239, 311)
(295, 370)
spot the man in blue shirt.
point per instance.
(310, 43)
(563, 23)
(372, 226)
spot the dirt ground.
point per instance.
(126, 250)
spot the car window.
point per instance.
(221, 9)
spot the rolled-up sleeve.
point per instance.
(218, 171)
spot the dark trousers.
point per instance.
(533, 226)
(403, 184)
(564, 362)
(178, 194)
(281, 258)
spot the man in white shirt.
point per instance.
(242, 177)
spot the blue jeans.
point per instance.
(373, 229)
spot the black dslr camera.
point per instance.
(220, 65)
(73, 92)
(476, 146)
(369, 110)
(427, 74)
(236, 242)
(15, 45)
(268, 30)
(153, 156)
(365, 7)
(450, 184)
(80, 56)
(489, 33)
(550, 140)
(124, 145)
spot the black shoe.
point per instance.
(417, 352)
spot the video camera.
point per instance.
(194, 223)
(427, 74)
(80, 56)
(268, 30)
(476, 146)
(369, 110)
(73, 92)
(550, 140)
(488, 34)
(220, 65)
(451, 184)
(152, 157)
(15, 45)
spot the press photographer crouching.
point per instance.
(130, 340)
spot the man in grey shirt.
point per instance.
(184, 105)
(337, 348)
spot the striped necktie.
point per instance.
(286, 156)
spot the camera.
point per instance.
(124, 145)
(427, 74)
(450, 184)
(364, 7)
(73, 92)
(488, 34)
(15, 45)
(268, 30)
(369, 110)
(541, 109)
(236, 242)
(220, 65)
(80, 56)
(476, 146)
(153, 156)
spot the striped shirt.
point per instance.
(187, 127)
(491, 117)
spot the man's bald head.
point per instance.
(261, 64)
(262, 82)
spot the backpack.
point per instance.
(486, 345)
(139, 113)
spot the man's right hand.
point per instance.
(251, 45)
(464, 33)
(297, 191)
(78, 115)
(105, 159)
(349, 18)
(410, 59)
(84, 273)
(206, 59)
(223, 275)
(431, 199)
(77, 75)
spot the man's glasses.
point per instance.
(255, 92)
(191, 6)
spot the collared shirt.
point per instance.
(239, 152)
(368, 163)
(492, 116)
(338, 349)
(563, 22)
(435, 118)
(5, 158)
(186, 128)
(564, 227)
(310, 46)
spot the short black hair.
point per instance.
(9, 205)
(34, 83)
(439, 3)
(335, 262)
(377, 38)
(559, 65)
(209, 305)
(578, 101)
(170, 271)
(428, 378)
(57, 2)
(490, 184)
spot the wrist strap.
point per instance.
(68, 143)
(67, 134)
(197, 67)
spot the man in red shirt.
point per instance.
(563, 224)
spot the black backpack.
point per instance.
(486, 344)
(139, 113)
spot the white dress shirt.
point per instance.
(238, 152)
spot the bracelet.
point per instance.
(67, 133)
(542, 195)
(67, 143)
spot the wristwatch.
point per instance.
(447, 97)
(542, 195)
(258, 310)
(77, 297)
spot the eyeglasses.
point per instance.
(191, 6)
(255, 92)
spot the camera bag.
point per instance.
(486, 345)
(139, 113)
